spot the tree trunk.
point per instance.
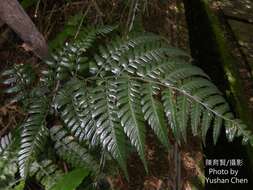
(12, 13)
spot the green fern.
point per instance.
(45, 172)
(70, 60)
(133, 83)
(5, 142)
(108, 124)
(33, 134)
(130, 114)
(153, 112)
(74, 153)
(8, 169)
(18, 79)
(74, 106)
(8, 165)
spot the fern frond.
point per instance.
(74, 106)
(137, 81)
(18, 79)
(170, 108)
(47, 78)
(200, 87)
(196, 112)
(45, 172)
(206, 124)
(110, 54)
(8, 165)
(89, 35)
(71, 60)
(33, 134)
(158, 69)
(134, 61)
(183, 106)
(71, 151)
(130, 114)
(108, 125)
(154, 113)
(8, 170)
(187, 93)
(170, 68)
(5, 142)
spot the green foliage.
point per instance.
(71, 180)
(74, 106)
(70, 60)
(46, 172)
(18, 80)
(33, 134)
(8, 165)
(75, 154)
(133, 83)
(20, 186)
(5, 142)
(69, 29)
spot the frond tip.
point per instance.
(33, 134)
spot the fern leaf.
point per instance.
(196, 112)
(75, 109)
(71, 151)
(203, 92)
(183, 114)
(45, 172)
(109, 56)
(88, 36)
(5, 142)
(8, 170)
(71, 60)
(184, 72)
(216, 128)
(212, 101)
(47, 78)
(218, 121)
(108, 125)
(130, 114)
(33, 135)
(169, 103)
(159, 69)
(230, 127)
(8, 165)
(153, 112)
(133, 61)
(206, 123)
(18, 79)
